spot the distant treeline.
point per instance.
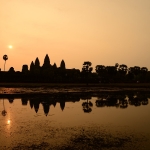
(53, 74)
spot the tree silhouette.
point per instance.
(87, 69)
(101, 71)
(111, 72)
(123, 69)
(116, 65)
(143, 74)
(5, 57)
(144, 70)
(135, 71)
(131, 70)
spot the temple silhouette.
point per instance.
(48, 73)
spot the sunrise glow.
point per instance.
(10, 46)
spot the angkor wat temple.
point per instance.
(38, 73)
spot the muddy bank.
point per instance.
(74, 94)
(67, 90)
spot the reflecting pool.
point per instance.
(114, 121)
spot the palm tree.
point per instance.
(87, 67)
(5, 57)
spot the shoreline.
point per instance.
(65, 89)
(39, 89)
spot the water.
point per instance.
(113, 121)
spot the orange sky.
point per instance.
(104, 32)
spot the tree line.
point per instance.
(117, 73)
(53, 74)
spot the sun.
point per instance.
(10, 46)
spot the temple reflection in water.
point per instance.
(107, 99)
(118, 120)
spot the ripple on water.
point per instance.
(76, 138)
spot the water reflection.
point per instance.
(4, 112)
(24, 101)
(11, 100)
(77, 121)
(122, 100)
(87, 106)
(47, 101)
(8, 122)
(118, 100)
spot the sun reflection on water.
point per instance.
(8, 127)
(8, 122)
